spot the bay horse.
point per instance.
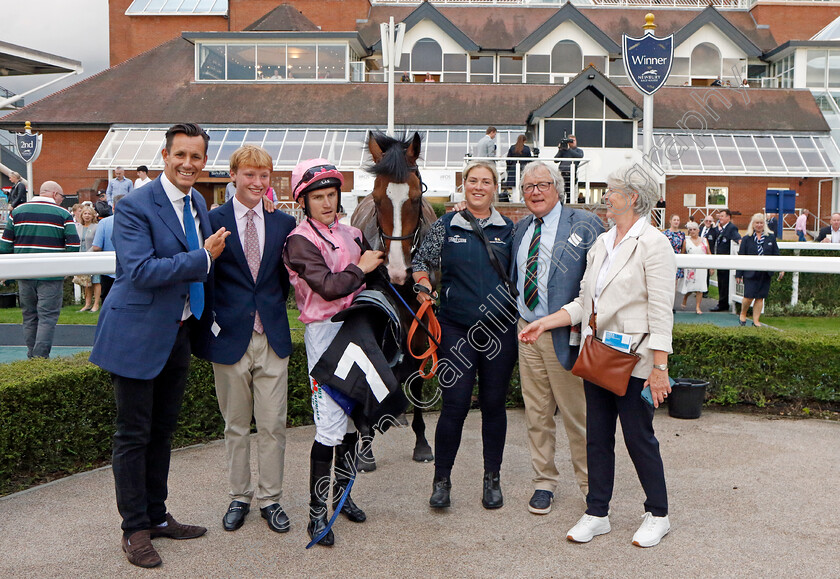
(394, 218)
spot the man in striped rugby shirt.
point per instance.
(40, 226)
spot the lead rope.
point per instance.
(433, 334)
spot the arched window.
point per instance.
(705, 61)
(426, 56)
(566, 58)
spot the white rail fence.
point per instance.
(28, 266)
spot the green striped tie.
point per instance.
(532, 297)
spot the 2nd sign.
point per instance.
(28, 146)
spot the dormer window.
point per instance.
(594, 120)
(275, 61)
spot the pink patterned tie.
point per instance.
(252, 255)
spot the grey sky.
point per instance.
(76, 29)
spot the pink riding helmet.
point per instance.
(315, 174)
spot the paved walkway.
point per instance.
(750, 497)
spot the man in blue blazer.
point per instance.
(165, 248)
(249, 343)
(549, 260)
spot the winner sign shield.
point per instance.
(648, 61)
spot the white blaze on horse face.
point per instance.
(398, 194)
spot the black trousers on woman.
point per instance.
(457, 374)
(636, 415)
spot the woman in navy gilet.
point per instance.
(477, 318)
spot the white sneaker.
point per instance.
(588, 527)
(651, 531)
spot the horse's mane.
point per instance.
(393, 162)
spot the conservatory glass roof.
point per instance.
(745, 154)
(443, 148)
(177, 7)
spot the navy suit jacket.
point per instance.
(576, 234)
(140, 319)
(236, 297)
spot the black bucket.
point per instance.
(8, 300)
(686, 398)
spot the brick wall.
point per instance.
(794, 22)
(133, 35)
(746, 194)
(64, 158)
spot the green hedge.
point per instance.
(818, 292)
(57, 416)
(758, 365)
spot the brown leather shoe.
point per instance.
(175, 530)
(139, 550)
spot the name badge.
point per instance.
(619, 341)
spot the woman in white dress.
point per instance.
(694, 280)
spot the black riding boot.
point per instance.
(320, 463)
(345, 456)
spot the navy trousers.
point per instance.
(602, 409)
(147, 414)
(463, 361)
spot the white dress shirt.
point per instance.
(548, 233)
(240, 212)
(138, 182)
(176, 197)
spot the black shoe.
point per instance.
(740, 323)
(235, 515)
(440, 493)
(719, 309)
(276, 517)
(492, 495)
(540, 503)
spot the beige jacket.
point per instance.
(638, 294)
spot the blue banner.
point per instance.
(648, 61)
(28, 146)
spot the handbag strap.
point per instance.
(494, 261)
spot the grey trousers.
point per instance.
(40, 301)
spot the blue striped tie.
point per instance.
(196, 288)
(758, 242)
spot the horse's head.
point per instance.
(398, 196)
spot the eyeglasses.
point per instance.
(543, 186)
(312, 172)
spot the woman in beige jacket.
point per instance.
(629, 280)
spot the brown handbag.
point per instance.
(603, 365)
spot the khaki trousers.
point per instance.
(547, 386)
(256, 385)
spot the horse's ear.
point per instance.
(413, 151)
(373, 147)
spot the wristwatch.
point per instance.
(663, 367)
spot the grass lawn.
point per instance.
(71, 315)
(815, 325)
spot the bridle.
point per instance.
(414, 235)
